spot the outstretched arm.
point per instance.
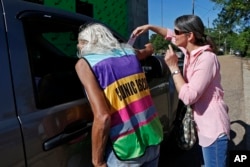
(144, 28)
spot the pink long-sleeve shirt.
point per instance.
(203, 91)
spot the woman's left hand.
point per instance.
(171, 59)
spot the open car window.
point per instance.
(51, 45)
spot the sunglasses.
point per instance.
(178, 32)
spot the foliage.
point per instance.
(160, 44)
(233, 22)
(231, 30)
(235, 14)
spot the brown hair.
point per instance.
(193, 23)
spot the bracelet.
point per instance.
(176, 72)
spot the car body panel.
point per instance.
(10, 131)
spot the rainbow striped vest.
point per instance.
(135, 124)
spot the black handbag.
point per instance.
(185, 127)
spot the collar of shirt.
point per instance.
(196, 52)
(190, 59)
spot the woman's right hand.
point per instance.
(171, 59)
(140, 30)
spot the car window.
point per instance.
(51, 45)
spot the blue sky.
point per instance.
(165, 14)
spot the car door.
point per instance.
(54, 114)
(162, 90)
(11, 139)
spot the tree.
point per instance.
(160, 44)
(235, 14)
(234, 18)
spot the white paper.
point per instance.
(131, 40)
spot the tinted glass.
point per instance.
(51, 47)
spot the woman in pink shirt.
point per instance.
(200, 84)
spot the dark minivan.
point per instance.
(45, 117)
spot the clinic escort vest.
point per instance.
(134, 121)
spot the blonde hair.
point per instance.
(99, 39)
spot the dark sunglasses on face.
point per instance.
(178, 32)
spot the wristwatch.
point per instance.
(176, 72)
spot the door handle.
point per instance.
(70, 132)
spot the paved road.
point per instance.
(235, 73)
